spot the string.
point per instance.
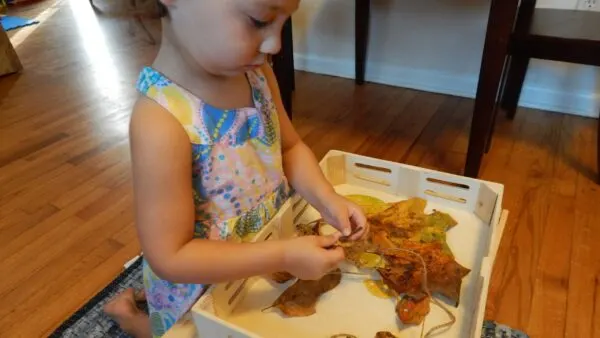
(425, 287)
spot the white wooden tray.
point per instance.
(233, 310)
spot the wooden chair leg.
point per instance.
(361, 27)
(499, 27)
(598, 151)
(517, 70)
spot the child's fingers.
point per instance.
(335, 256)
(358, 218)
(139, 295)
(359, 221)
(360, 234)
(327, 241)
(344, 226)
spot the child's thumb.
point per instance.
(345, 226)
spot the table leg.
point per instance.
(290, 47)
(283, 67)
(361, 36)
(501, 90)
(499, 28)
(598, 151)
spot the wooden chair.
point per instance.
(551, 34)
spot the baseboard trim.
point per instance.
(587, 105)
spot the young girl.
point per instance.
(214, 155)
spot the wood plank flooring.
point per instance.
(66, 223)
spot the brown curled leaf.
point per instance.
(282, 277)
(300, 299)
(404, 274)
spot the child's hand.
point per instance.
(306, 257)
(345, 216)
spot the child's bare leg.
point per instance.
(131, 319)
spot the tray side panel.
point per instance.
(486, 274)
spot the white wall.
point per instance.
(432, 45)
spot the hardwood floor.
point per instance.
(66, 224)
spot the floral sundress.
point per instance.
(237, 177)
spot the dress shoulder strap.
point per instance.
(179, 102)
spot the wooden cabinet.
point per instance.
(9, 60)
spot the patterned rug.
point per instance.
(90, 321)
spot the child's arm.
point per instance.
(165, 215)
(305, 175)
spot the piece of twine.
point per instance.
(425, 288)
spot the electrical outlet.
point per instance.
(589, 5)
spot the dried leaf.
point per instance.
(413, 311)
(440, 220)
(384, 334)
(401, 220)
(379, 289)
(282, 277)
(369, 204)
(309, 229)
(355, 253)
(405, 274)
(300, 299)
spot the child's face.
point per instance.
(228, 37)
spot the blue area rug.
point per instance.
(14, 22)
(91, 322)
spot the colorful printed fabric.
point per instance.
(237, 177)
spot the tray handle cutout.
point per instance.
(268, 236)
(373, 180)
(297, 204)
(376, 172)
(300, 213)
(448, 183)
(445, 196)
(372, 167)
(237, 292)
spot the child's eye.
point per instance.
(258, 23)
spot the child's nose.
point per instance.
(271, 45)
